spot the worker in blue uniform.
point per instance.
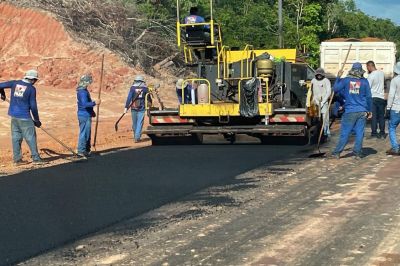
(24, 115)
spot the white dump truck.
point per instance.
(333, 53)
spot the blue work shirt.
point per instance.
(356, 93)
(138, 92)
(22, 99)
(85, 103)
(194, 19)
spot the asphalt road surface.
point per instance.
(45, 208)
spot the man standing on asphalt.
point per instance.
(358, 104)
(137, 102)
(321, 91)
(22, 108)
(393, 107)
(85, 114)
(376, 79)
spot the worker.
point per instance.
(187, 91)
(24, 115)
(85, 115)
(321, 91)
(137, 102)
(393, 107)
(356, 92)
(376, 79)
(194, 17)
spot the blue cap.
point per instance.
(357, 65)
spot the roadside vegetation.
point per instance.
(143, 31)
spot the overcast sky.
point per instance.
(381, 8)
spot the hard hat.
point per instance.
(397, 68)
(31, 74)
(181, 82)
(320, 71)
(139, 78)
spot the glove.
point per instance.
(93, 114)
(37, 123)
(3, 95)
(125, 110)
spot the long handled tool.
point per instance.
(320, 154)
(98, 106)
(60, 142)
(133, 101)
(130, 106)
(56, 139)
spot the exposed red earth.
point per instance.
(33, 39)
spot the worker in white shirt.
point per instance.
(321, 92)
(376, 79)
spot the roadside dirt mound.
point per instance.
(35, 39)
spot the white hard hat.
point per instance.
(31, 74)
(179, 84)
(397, 68)
(139, 78)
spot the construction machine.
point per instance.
(261, 93)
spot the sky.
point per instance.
(381, 9)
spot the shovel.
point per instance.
(321, 154)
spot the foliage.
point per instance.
(144, 30)
(306, 22)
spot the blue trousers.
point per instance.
(137, 123)
(85, 131)
(23, 129)
(394, 121)
(351, 122)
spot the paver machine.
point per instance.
(261, 93)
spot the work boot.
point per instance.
(381, 135)
(82, 155)
(374, 136)
(332, 155)
(19, 163)
(358, 156)
(38, 162)
(392, 152)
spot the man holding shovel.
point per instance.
(23, 107)
(136, 101)
(321, 91)
(358, 104)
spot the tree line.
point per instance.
(306, 22)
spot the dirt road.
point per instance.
(295, 211)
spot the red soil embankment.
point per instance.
(31, 39)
